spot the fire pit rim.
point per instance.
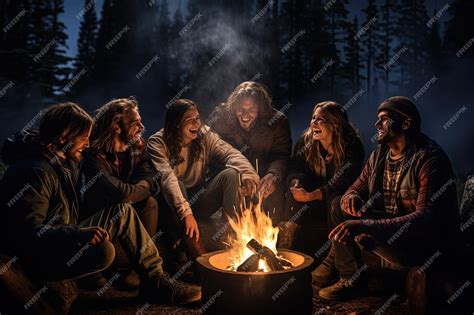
(203, 260)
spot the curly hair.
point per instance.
(257, 92)
(111, 113)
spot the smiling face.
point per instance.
(131, 127)
(385, 127)
(190, 125)
(321, 128)
(77, 145)
(247, 113)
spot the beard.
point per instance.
(390, 134)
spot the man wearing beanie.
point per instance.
(403, 206)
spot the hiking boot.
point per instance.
(345, 289)
(286, 235)
(163, 290)
(326, 273)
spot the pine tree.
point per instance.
(336, 28)
(459, 28)
(370, 35)
(86, 47)
(353, 55)
(411, 32)
(388, 19)
(434, 48)
(86, 43)
(47, 39)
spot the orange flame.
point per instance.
(251, 223)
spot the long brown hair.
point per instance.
(257, 92)
(172, 134)
(66, 120)
(111, 113)
(343, 133)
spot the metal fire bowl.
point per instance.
(275, 292)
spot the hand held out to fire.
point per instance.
(191, 227)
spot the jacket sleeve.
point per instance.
(433, 184)
(159, 155)
(347, 173)
(360, 187)
(297, 165)
(99, 178)
(281, 149)
(30, 204)
(144, 171)
(233, 158)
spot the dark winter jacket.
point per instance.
(426, 194)
(269, 140)
(336, 181)
(38, 204)
(103, 184)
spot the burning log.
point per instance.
(250, 264)
(265, 253)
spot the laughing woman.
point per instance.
(181, 152)
(326, 160)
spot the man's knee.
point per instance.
(104, 254)
(335, 212)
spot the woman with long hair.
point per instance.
(326, 160)
(182, 152)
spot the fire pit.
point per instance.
(236, 292)
(252, 276)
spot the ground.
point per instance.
(120, 302)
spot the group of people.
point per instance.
(79, 183)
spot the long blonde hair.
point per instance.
(343, 133)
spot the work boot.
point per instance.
(344, 289)
(161, 289)
(326, 273)
(287, 233)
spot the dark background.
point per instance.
(91, 51)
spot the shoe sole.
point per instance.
(191, 299)
(324, 284)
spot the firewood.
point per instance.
(265, 253)
(250, 264)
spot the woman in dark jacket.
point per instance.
(326, 160)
